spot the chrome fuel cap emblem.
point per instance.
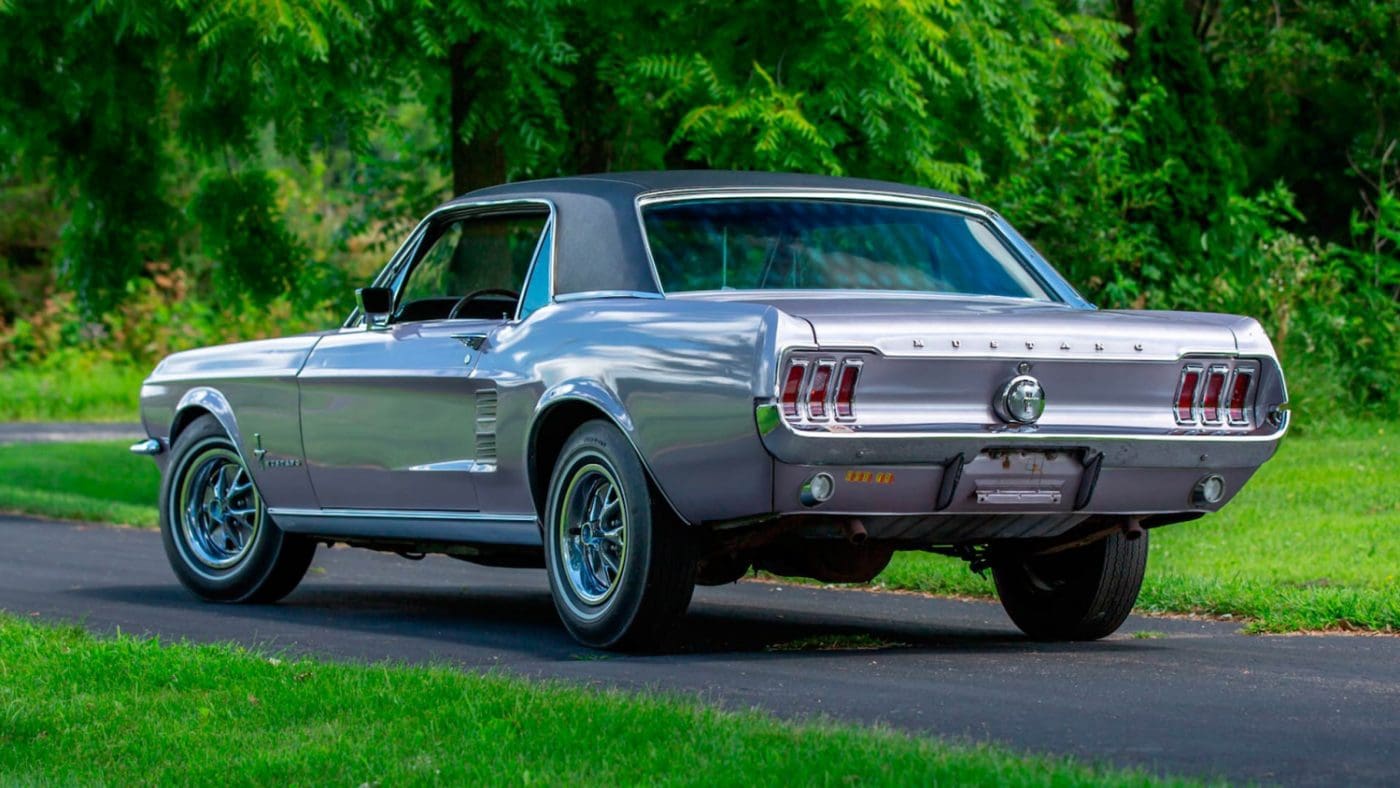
(1021, 401)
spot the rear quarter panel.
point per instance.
(682, 378)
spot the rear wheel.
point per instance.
(621, 566)
(1080, 594)
(217, 533)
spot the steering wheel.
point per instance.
(475, 294)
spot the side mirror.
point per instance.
(377, 305)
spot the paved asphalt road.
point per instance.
(1201, 701)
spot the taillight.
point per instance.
(818, 389)
(1186, 395)
(846, 391)
(1237, 408)
(1214, 394)
(1210, 398)
(792, 388)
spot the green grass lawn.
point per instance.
(99, 482)
(107, 392)
(78, 710)
(1312, 543)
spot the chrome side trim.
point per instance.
(149, 447)
(1013, 436)
(516, 530)
(403, 514)
(588, 295)
(458, 466)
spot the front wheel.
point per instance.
(621, 566)
(217, 533)
(1084, 593)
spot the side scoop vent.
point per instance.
(486, 426)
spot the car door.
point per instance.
(400, 418)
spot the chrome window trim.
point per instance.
(993, 220)
(407, 252)
(589, 295)
(548, 232)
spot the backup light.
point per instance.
(817, 489)
(1209, 490)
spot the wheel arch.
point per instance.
(559, 413)
(200, 401)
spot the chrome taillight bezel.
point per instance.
(1226, 373)
(1194, 412)
(1222, 373)
(1246, 408)
(836, 366)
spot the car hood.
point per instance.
(917, 325)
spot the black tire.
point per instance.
(263, 567)
(655, 562)
(1081, 594)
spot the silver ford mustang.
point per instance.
(651, 380)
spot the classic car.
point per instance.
(645, 381)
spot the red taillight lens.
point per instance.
(1186, 395)
(846, 391)
(817, 391)
(1239, 396)
(1210, 399)
(792, 387)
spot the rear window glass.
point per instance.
(812, 244)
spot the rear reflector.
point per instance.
(1186, 395)
(846, 391)
(817, 391)
(1210, 399)
(792, 387)
(1237, 406)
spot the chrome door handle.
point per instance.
(473, 341)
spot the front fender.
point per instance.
(213, 401)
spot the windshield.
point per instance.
(792, 243)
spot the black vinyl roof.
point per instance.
(599, 242)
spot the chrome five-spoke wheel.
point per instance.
(219, 538)
(593, 533)
(621, 565)
(219, 509)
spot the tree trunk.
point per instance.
(1126, 13)
(480, 161)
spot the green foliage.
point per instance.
(241, 231)
(1232, 156)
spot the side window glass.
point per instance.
(536, 292)
(465, 255)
